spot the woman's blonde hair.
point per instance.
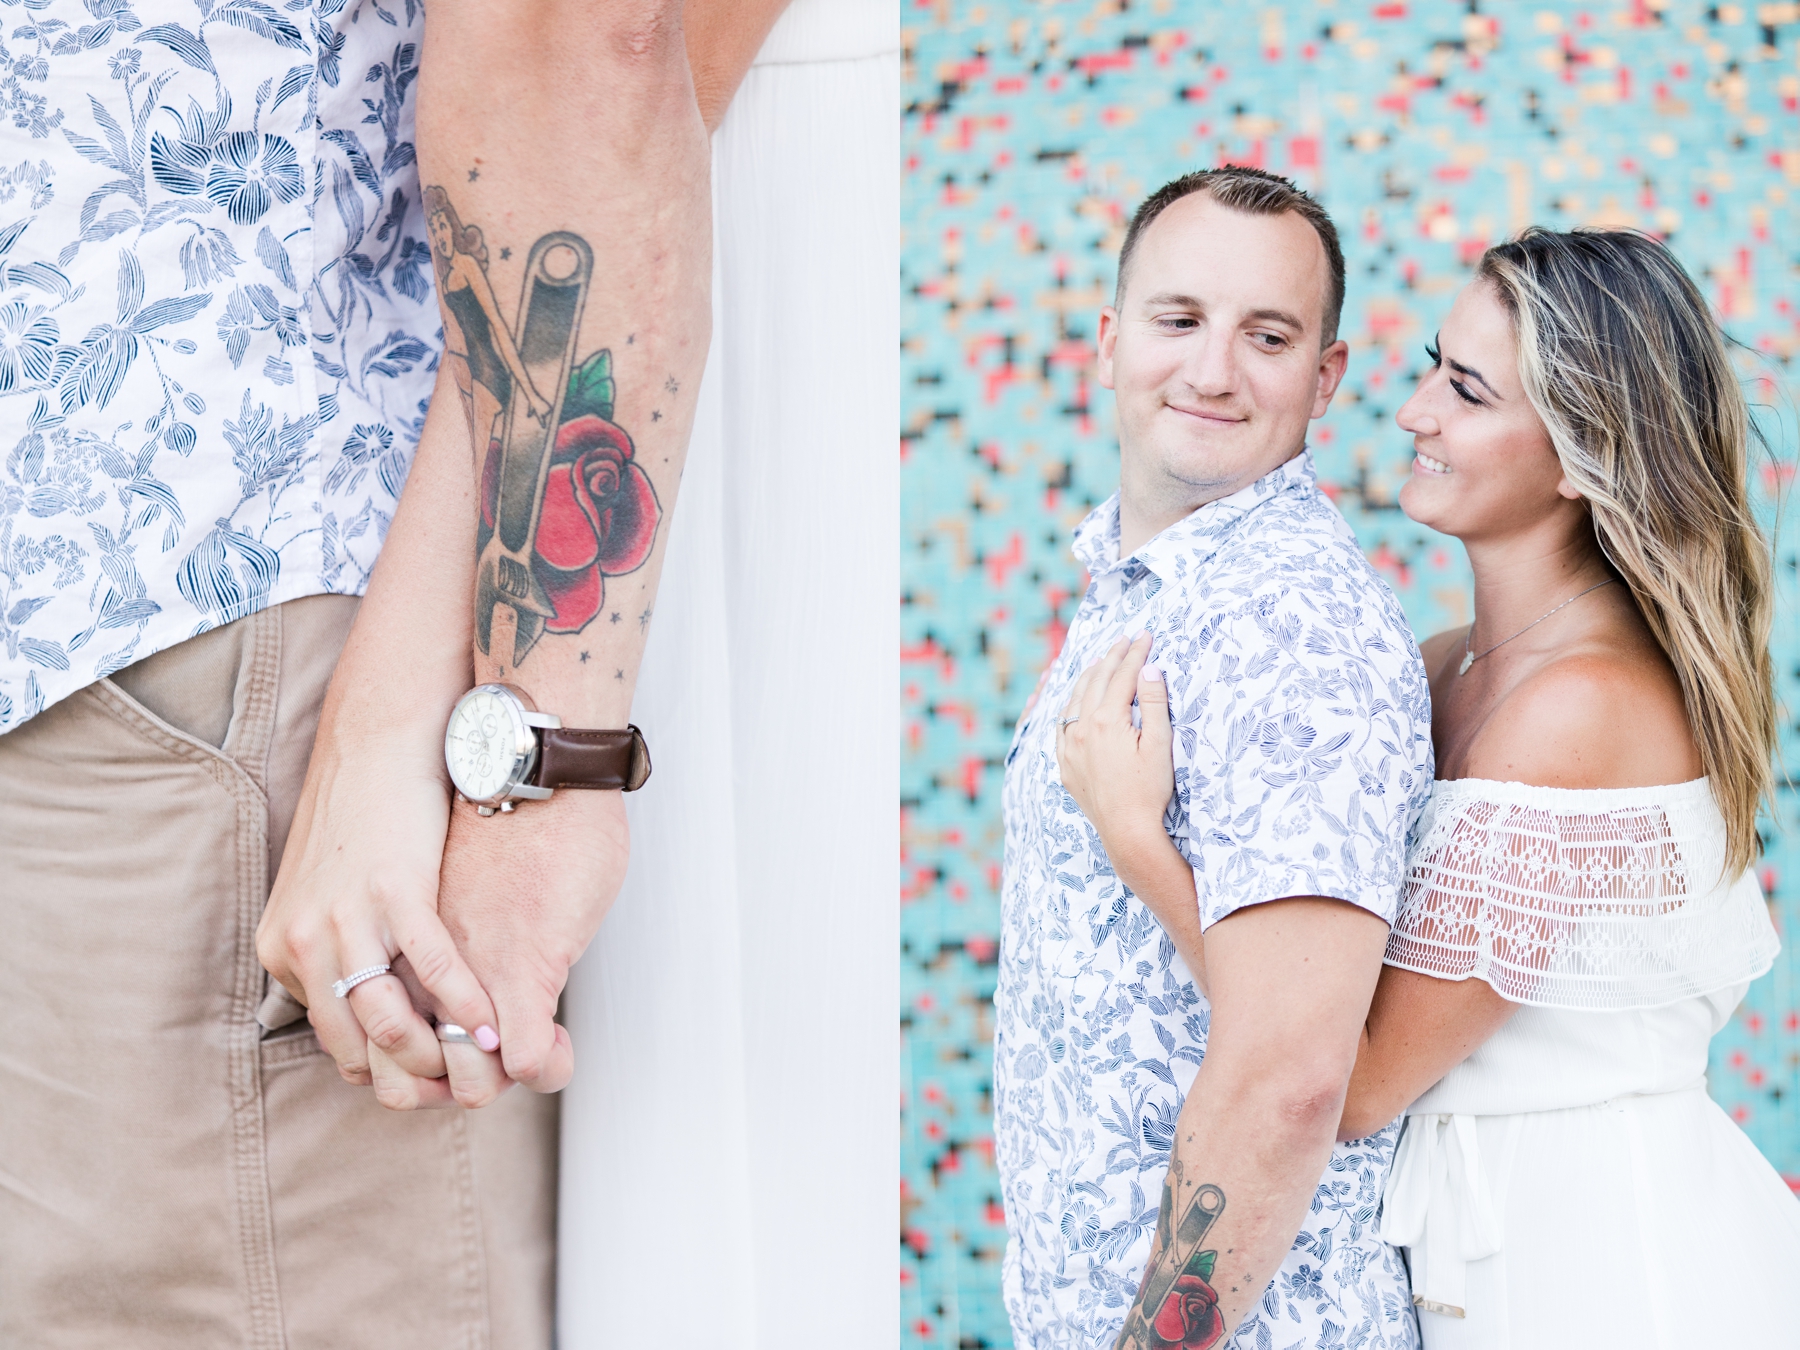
(1620, 356)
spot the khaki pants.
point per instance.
(175, 1173)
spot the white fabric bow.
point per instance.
(1438, 1207)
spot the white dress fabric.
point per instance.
(1570, 1184)
(729, 1140)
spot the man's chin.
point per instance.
(1226, 458)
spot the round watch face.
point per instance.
(487, 745)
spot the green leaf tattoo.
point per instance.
(1176, 1306)
(590, 388)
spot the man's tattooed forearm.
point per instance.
(1176, 1307)
(564, 505)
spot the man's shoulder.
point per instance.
(1299, 560)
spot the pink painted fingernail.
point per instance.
(487, 1038)
(1151, 671)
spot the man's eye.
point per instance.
(1271, 341)
(1179, 321)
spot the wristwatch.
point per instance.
(500, 750)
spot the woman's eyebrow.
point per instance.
(1475, 375)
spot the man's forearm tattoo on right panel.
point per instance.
(1176, 1307)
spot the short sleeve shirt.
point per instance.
(218, 318)
(1302, 762)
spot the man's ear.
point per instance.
(1109, 337)
(1333, 361)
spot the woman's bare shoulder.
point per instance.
(1596, 718)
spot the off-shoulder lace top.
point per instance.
(1598, 900)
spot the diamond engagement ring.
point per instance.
(343, 987)
(449, 1031)
(1064, 721)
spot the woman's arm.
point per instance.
(1122, 778)
(1419, 1028)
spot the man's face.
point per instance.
(1213, 351)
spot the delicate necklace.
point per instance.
(1471, 657)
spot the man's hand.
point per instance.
(522, 894)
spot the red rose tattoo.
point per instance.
(598, 519)
(1189, 1317)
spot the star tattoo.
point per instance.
(615, 617)
(474, 174)
(584, 658)
(655, 416)
(505, 253)
(671, 386)
(644, 619)
(618, 674)
(630, 338)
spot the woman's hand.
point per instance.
(358, 884)
(358, 888)
(1122, 777)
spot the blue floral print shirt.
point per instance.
(218, 330)
(1302, 761)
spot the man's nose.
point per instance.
(1212, 364)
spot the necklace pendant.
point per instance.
(1467, 661)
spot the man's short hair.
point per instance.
(1255, 193)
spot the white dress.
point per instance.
(728, 1142)
(1571, 1185)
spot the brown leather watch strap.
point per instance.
(609, 760)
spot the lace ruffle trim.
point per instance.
(1566, 899)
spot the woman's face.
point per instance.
(440, 234)
(1484, 466)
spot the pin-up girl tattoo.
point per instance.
(484, 357)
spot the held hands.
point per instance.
(480, 918)
(1120, 776)
(357, 889)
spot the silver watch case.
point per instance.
(491, 747)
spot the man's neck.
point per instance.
(1151, 501)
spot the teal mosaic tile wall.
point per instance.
(1429, 129)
